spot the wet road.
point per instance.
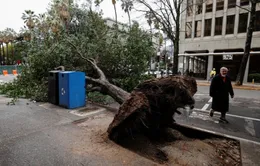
(243, 115)
(32, 135)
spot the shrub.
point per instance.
(255, 76)
(100, 98)
(25, 86)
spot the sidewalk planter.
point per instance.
(53, 87)
(72, 92)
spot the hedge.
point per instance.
(255, 76)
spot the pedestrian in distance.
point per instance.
(212, 74)
(220, 89)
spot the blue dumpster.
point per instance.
(72, 93)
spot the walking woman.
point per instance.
(220, 89)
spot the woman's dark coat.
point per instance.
(219, 91)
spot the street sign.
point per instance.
(227, 57)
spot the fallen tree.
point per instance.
(150, 106)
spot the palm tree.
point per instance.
(114, 3)
(127, 7)
(29, 19)
(1, 47)
(56, 25)
(42, 23)
(8, 36)
(25, 34)
(6, 42)
(61, 9)
(12, 37)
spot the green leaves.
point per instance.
(122, 55)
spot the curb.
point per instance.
(243, 87)
(247, 157)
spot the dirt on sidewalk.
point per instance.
(186, 148)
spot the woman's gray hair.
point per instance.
(223, 68)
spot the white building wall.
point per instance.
(212, 43)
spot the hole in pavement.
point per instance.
(184, 146)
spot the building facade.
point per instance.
(213, 34)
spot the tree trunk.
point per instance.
(118, 94)
(176, 45)
(129, 18)
(3, 54)
(12, 58)
(7, 57)
(115, 13)
(241, 73)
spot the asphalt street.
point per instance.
(33, 135)
(243, 115)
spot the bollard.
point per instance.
(253, 81)
(15, 72)
(5, 72)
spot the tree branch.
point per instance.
(243, 8)
(171, 10)
(94, 89)
(93, 80)
(160, 19)
(90, 60)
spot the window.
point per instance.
(207, 27)
(218, 27)
(231, 3)
(197, 28)
(242, 23)
(257, 21)
(199, 6)
(244, 2)
(189, 7)
(220, 5)
(209, 6)
(230, 24)
(188, 29)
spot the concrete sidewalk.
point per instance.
(8, 78)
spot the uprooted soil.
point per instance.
(152, 105)
(182, 146)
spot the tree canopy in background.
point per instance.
(68, 35)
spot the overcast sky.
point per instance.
(11, 12)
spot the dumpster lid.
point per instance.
(67, 71)
(54, 71)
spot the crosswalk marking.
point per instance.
(232, 115)
(205, 107)
(249, 126)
